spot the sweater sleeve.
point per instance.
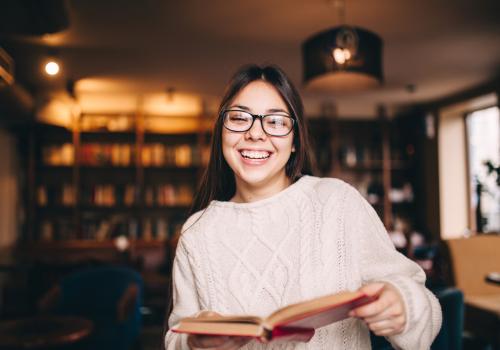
(185, 299)
(379, 261)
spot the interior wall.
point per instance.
(9, 196)
(453, 169)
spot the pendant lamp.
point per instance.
(342, 59)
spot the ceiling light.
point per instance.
(341, 59)
(52, 68)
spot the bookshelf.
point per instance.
(375, 156)
(119, 175)
(112, 175)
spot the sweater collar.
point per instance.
(301, 182)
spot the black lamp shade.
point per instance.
(362, 71)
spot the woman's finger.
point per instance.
(380, 325)
(391, 312)
(371, 309)
(393, 325)
(386, 332)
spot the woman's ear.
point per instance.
(293, 148)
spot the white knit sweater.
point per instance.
(316, 237)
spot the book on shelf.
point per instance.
(105, 123)
(101, 154)
(58, 155)
(295, 322)
(183, 156)
(158, 155)
(168, 195)
(64, 195)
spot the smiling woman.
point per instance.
(264, 91)
(263, 234)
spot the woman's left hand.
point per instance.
(385, 316)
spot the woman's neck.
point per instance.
(246, 193)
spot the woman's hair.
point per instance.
(218, 181)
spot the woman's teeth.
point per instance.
(255, 154)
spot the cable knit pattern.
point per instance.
(316, 237)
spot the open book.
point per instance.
(295, 322)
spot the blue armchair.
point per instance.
(110, 297)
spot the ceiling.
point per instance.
(193, 46)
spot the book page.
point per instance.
(224, 319)
(219, 328)
(292, 314)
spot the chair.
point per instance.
(108, 296)
(450, 334)
(452, 305)
(471, 261)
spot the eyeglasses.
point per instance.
(273, 124)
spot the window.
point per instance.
(483, 134)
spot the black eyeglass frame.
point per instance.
(256, 116)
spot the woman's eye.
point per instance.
(238, 118)
(276, 122)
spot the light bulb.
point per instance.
(338, 55)
(52, 68)
(122, 243)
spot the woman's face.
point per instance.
(257, 159)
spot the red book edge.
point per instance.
(291, 334)
(352, 304)
(277, 334)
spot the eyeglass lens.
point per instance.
(273, 124)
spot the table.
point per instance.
(493, 278)
(43, 332)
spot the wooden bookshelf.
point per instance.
(374, 155)
(110, 172)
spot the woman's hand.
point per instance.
(215, 341)
(385, 316)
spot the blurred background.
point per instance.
(106, 109)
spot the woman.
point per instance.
(264, 235)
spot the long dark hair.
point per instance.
(218, 181)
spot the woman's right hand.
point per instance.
(215, 341)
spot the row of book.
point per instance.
(116, 154)
(58, 155)
(169, 195)
(102, 229)
(124, 154)
(109, 195)
(182, 155)
(119, 123)
(59, 229)
(64, 195)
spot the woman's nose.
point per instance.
(256, 132)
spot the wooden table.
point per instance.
(493, 278)
(43, 332)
